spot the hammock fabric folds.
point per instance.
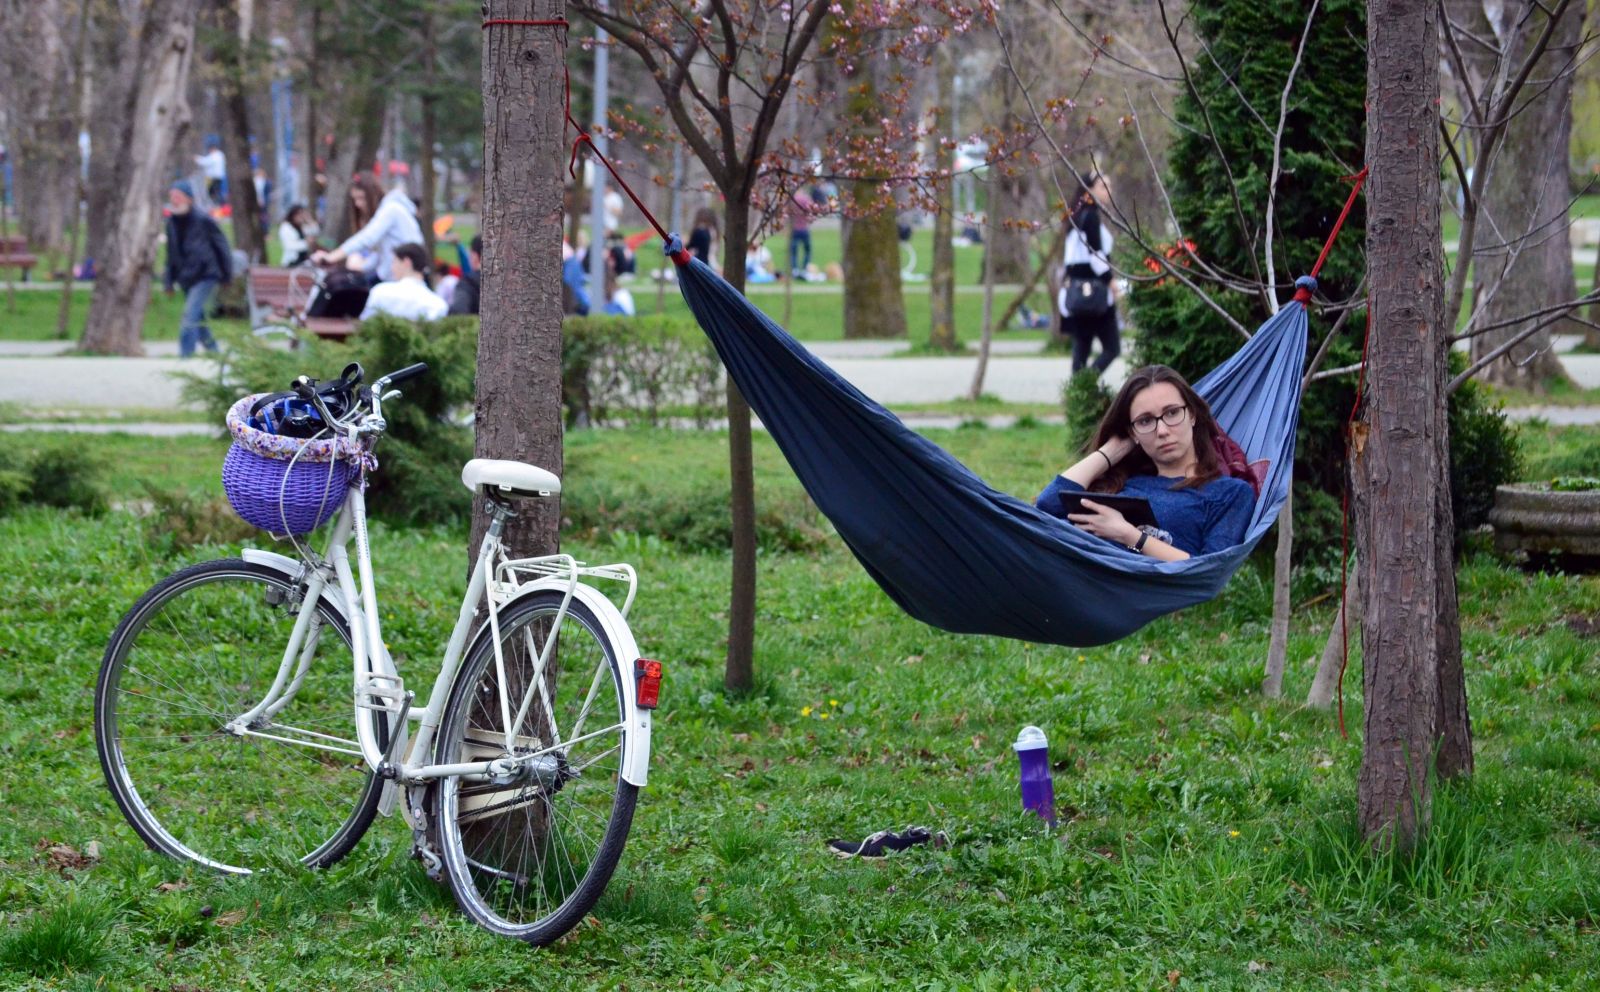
(948, 549)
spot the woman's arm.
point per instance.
(1095, 463)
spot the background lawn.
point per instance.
(1206, 837)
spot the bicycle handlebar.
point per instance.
(409, 372)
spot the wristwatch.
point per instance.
(1138, 546)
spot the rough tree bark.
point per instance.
(1399, 440)
(234, 18)
(518, 409)
(873, 304)
(739, 671)
(942, 284)
(1523, 249)
(36, 90)
(152, 115)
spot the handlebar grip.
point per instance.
(409, 372)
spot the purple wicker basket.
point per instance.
(285, 485)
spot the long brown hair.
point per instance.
(368, 184)
(1118, 422)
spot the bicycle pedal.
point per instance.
(384, 693)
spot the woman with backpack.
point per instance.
(1086, 302)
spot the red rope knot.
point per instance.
(1303, 288)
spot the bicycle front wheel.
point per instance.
(528, 853)
(196, 652)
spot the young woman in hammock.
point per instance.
(1159, 442)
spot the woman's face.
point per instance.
(358, 199)
(1169, 445)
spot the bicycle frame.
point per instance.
(496, 582)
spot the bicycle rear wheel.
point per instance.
(529, 855)
(198, 650)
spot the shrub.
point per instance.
(1252, 48)
(1086, 399)
(614, 370)
(180, 520)
(427, 443)
(56, 473)
(1484, 452)
(636, 370)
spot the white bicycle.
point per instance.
(231, 733)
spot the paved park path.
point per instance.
(38, 377)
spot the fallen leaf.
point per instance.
(1173, 976)
(232, 917)
(172, 886)
(1255, 967)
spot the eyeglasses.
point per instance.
(1172, 416)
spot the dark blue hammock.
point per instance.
(951, 551)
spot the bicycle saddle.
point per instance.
(493, 476)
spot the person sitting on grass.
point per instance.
(406, 295)
(1159, 442)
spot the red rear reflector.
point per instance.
(647, 674)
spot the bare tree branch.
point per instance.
(1277, 153)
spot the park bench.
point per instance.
(277, 298)
(14, 254)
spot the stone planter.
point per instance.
(1529, 517)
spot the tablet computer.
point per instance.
(1135, 509)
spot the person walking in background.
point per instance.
(214, 167)
(800, 209)
(1086, 302)
(382, 222)
(198, 260)
(297, 235)
(703, 236)
(406, 295)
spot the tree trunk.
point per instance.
(739, 672)
(873, 304)
(518, 408)
(248, 223)
(1346, 621)
(942, 284)
(1009, 189)
(36, 72)
(1525, 205)
(986, 334)
(80, 84)
(1397, 447)
(153, 117)
(1278, 643)
(360, 126)
(428, 194)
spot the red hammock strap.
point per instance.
(680, 256)
(1303, 291)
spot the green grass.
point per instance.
(31, 316)
(1202, 828)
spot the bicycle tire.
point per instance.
(499, 841)
(198, 649)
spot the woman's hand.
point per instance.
(1117, 448)
(1105, 522)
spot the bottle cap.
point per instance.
(1030, 739)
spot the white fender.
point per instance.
(636, 734)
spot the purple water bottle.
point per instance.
(1038, 792)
